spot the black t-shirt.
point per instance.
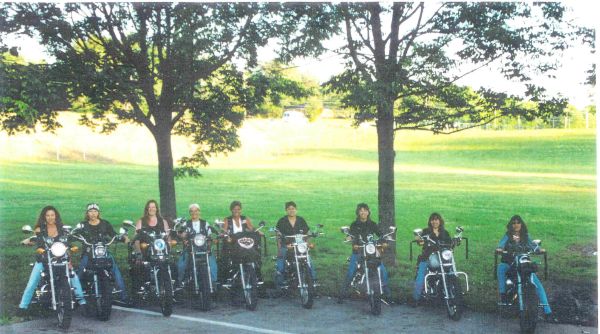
(362, 229)
(428, 248)
(286, 229)
(94, 233)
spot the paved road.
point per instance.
(285, 315)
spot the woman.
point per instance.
(199, 226)
(151, 221)
(517, 235)
(50, 225)
(94, 229)
(436, 231)
(236, 223)
(361, 228)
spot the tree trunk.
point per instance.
(386, 197)
(166, 179)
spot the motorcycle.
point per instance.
(520, 291)
(367, 278)
(98, 278)
(442, 278)
(54, 290)
(242, 278)
(297, 272)
(156, 282)
(199, 281)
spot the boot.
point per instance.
(503, 299)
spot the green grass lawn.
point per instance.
(560, 210)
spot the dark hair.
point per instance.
(363, 206)
(434, 216)
(290, 203)
(41, 221)
(145, 218)
(234, 204)
(85, 216)
(509, 227)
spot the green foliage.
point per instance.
(313, 108)
(29, 95)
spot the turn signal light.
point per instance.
(74, 249)
(173, 243)
(290, 247)
(311, 245)
(40, 251)
(143, 246)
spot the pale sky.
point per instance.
(568, 80)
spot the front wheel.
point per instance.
(250, 288)
(104, 303)
(64, 305)
(306, 287)
(454, 303)
(528, 315)
(166, 293)
(203, 296)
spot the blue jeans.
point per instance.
(420, 280)
(115, 270)
(182, 264)
(352, 270)
(280, 266)
(34, 280)
(539, 288)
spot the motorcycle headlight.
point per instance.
(199, 240)
(370, 248)
(100, 251)
(302, 247)
(58, 249)
(159, 244)
(246, 243)
(447, 255)
(524, 259)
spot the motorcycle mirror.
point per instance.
(26, 229)
(418, 231)
(262, 223)
(128, 223)
(122, 231)
(79, 226)
(344, 229)
(67, 228)
(537, 242)
(219, 223)
(459, 229)
(393, 228)
(320, 225)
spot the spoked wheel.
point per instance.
(455, 303)
(166, 292)
(250, 288)
(528, 316)
(204, 281)
(104, 306)
(375, 303)
(64, 307)
(307, 290)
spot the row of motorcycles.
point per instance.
(443, 281)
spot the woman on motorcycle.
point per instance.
(197, 225)
(233, 224)
(150, 221)
(436, 231)
(517, 234)
(50, 225)
(95, 227)
(361, 228)
(288, 225)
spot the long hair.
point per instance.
(362, 206)
(87, 218)
(146, 218)
(523, 234)
(439, 217)
(41, 221)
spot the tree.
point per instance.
(167, 66)
(404, 61)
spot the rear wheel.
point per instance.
(528, 316)
(166, 292)
(104, 303)
(250, 288)
(64, 307)
(307, 290)
(454, 303)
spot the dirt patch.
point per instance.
(575, 303)
(585, 250)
